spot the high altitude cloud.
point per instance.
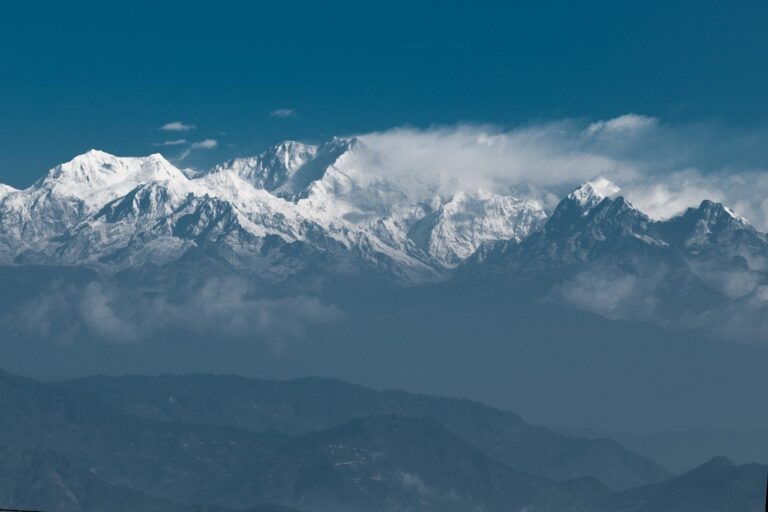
(205, 144)
(626, 124)
(175, 142)
(177, 126)
(283, 113)
(662, 168)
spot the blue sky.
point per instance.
(250, 74)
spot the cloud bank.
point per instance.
(662, 168)
(219, 308)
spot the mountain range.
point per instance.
(223, 443)
(315, 260)
(306, 260)
(299, 214)
(268, 215)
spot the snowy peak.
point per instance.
(595, 213)
(711, 217)
(712, 213)
(326, 155)
(591, 193)
(96, 177)
(580, 205)
(710, 224)
(98, 167)
(290, 155)
(272, 168)
(114, 212)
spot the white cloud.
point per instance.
(661, 168)
(664, 196)
(612, 294)
(99, 315)
(205, 144)
(528, 160)
(283, 113)
(177, 126)
(219, 307)
(176, 142)
(626, 124)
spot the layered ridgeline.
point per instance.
(300, 213)
(221, 443)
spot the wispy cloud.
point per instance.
(220, 306)
(176, 142)
(626, 124)
(177, 126)
(612, 293)
(283, 113)
(205, 144)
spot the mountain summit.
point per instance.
(96, 177)
(591, 193)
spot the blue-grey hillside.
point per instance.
(226, 444)
(305, 405)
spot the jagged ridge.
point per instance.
(109, 212)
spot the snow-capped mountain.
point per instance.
(600, 253)
(591, 193)
(299, 212)
(264, 214)
(97, 177)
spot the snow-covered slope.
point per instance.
(456, 228)
(96, 177)
(114, 212)
(272, 168)
(5, 190)
(298, 208)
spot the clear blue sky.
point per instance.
(90, 75)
